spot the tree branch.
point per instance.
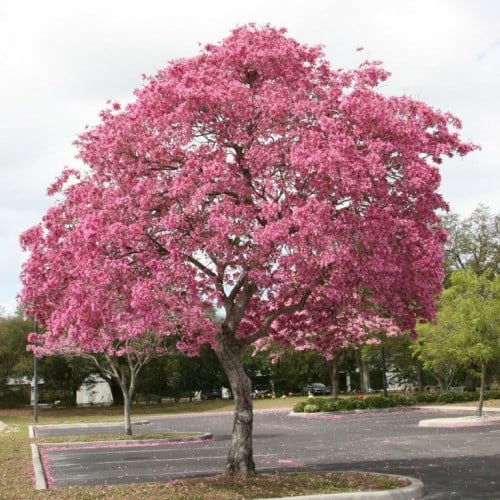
(263, 330)
(206, 270)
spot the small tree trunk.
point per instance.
(126, 414)
(419, 370)
(240, 456)
(116, 391)
(470, 380)
(335, 374)
(384, 371)
(364, 373)
(481, 390)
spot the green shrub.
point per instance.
(464, 396)
(310, 408)
(400, 400)
(379, 402)
(425, 397)
(447, 397)
(492, 394)
(347, 404)
(299, 407)
(323, 404)
(410, 401)
(329, 405)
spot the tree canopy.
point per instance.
(473, 241)
(296, 200)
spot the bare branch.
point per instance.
(264, 329)
(206, 270)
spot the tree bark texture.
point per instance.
(335, 373)
(364, 372)
(126, 415)
(240, 456)
(481, 390)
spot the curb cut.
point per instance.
(413, 491)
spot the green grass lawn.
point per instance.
(16, 469)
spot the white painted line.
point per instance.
(155, 460)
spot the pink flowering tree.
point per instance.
(296, 201)
(90, 294)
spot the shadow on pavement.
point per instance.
(467, 478)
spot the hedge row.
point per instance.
(313, 405)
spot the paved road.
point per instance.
(453, 463)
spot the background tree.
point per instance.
(293, 370)
(438, 347)
(474, 242)
(476, 302)
(15, 361)
(466, 331)
(86, 292)
(404, 368)
(63, 376)
(295, 199)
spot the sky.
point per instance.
(60, 61)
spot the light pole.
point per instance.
(35, 382)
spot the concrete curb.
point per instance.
(204, 436)
(340, 413)
(469, 421)
(491, 416)
(85, 425)
(40, 483)
(486, 409)
(413, 491)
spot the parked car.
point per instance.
(213, 394)
(316, 389)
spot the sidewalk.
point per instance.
(490, 416)
(486, 409)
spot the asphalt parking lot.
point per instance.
(452, 462)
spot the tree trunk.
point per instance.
(384, 371)
(116, 391)
(126, 414)
(364, 373)
(419, 370)
(335, 373)
(240, 456)
(470, 380)
(481, 390)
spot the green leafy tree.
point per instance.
(473, 242)
(15, 362)
(295, 369)
(466, 331)
(475, 302)
(63, 376)
(438, 347)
